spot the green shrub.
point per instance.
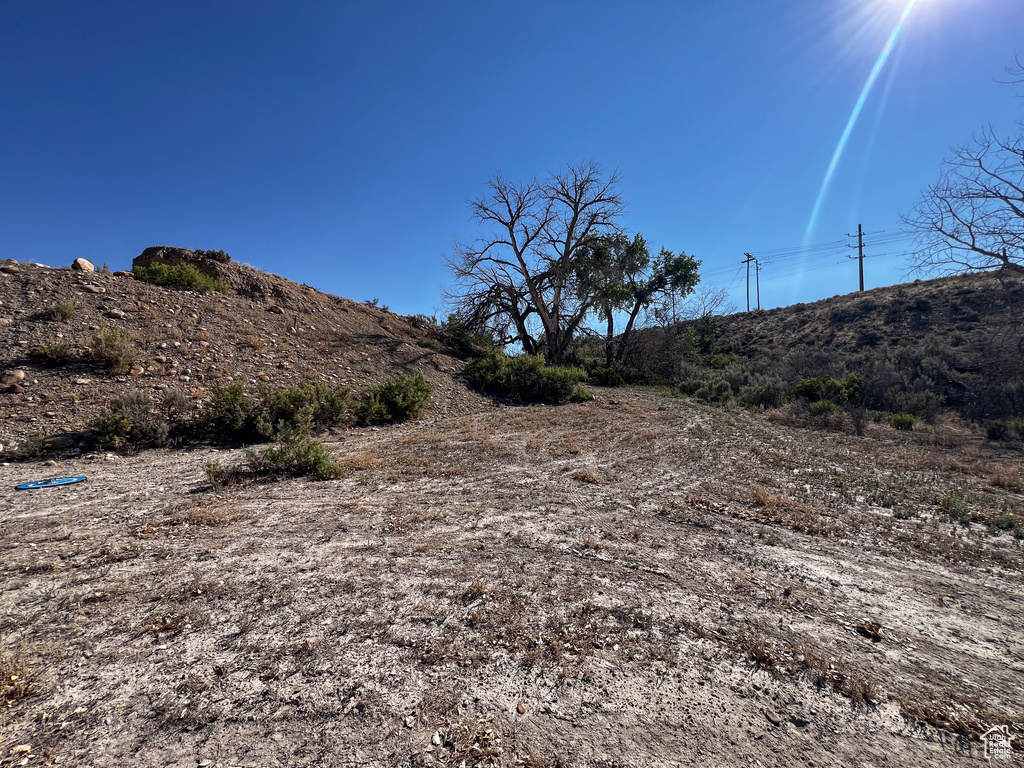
(63, 311)
(1017, 427)
(133, 419)
(1007, 523)
(53, 352)
(295, 453)
(183, 277)
(581, 396)
(957, 507)
(823, 408)
(229, 415)
(457, 333)
(393, 400)
(902, 421)
(112, 427)
(997, 430)
(113, 349)
(1013, 397)
(722, 359)
(769, 393)
(525, 378)
(714, 391)
(325, 404)
(848, 390)
(606, 377)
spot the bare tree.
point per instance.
(521, 280)
(973, 218)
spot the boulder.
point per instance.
(58, 442)
(9, 269)
(93, 289)
(82, 265)
(13, 377)
(16, 389)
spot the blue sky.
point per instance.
(336, 143)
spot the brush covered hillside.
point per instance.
(71, 341)
(949, 344)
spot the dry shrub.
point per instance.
(950, 711)
(587, 476)
(765, 498)
(1006, 477)
(476, 590)
(758, 649)
(16, 679)
(360, 461)
(781, 510)
(200, 516)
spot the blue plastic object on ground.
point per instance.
(53, 481)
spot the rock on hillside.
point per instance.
(268, 330)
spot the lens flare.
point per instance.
(861, 100)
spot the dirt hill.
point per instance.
(965, 309)
(265, 330)
(953, 343)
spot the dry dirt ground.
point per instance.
(635, 581)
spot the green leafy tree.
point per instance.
(623, 280)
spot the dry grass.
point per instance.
(1006, 477)
(17, 679)
(587, 476)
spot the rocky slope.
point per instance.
(266, 330)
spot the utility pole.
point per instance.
(860, 253)
(757, 278)
(747, 262)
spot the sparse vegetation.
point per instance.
(957, 507)
(17, 680)
(113, 349)
(394, 400)
(902, 421)
(54, 352)
(997, 430)
(63, 311)
(182, 277)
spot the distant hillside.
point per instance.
(266, 330)
(953, 342)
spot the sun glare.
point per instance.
(858, 106)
